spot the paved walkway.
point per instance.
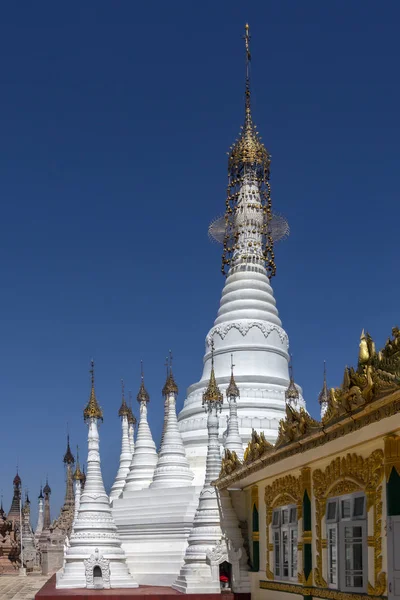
(14, 587)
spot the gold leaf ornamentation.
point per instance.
(230, 462)
(257, 446)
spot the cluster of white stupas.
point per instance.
(164, 523)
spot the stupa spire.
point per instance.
(233, 441)
(131, 425)
(94, 539)
(126, 452)
(292, 393)
(144, 459)
(172, 468)
(39, 526)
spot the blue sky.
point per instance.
(115, 121)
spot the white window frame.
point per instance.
(337, 524)
(288, 530)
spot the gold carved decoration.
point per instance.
(256, 447)
(282, 491)
(230, 462)
(307, 590)
(392, 454)
(297, 424)
(345, 475)
(377, 374)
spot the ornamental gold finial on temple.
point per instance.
(212, 396)
(92, 410)
(248, 241)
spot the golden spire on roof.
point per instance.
(131, 416)
(232, 391)
(323, 397)
(92, 410)
(212, 395)
(143, 395)
(78, 475)
(170, 386)
(124, 410)
(292, 393)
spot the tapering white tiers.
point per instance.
(94, 556)
(144, 459)
(39, 526)
(215, 536)
(247, 325)
(233, 441)
(131, 433)
(172, 467)
(78, 488)
(124, 461)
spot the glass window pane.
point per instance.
(285, 516)
(293, 552)
(277, 554)
(353, 547)
(293, 515)
(346, 509)
(275, 518)
(358, 510)
(331, 511)
(332, 556)
(285, 554)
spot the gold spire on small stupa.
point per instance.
(92, 410)
(232, 391)
(292, 393)
(170, 386)
(68, 456)
(124, 409)
(323, 397)
(143, 395)
(213, 394)
(78, 475)
(131, 416)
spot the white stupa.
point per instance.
(233, 440)
(126, 449)
(39, 525)
(94, 557)
(247, 323)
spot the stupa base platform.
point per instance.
(148, 592)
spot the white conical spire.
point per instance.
(131, 426)
(94, 555)
(233, 441)
(126, 452)
(39, 526)
(172, 467)
(196, 575)
(144, 459)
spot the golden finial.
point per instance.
(68, 456)
(124, 410)
(232, 390)
(143, 395)
(323, 397)
(131, 416)
(292, 393)
(170, 386)
(78, 475)
(92, 410)
(212, 396)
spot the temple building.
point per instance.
(322, 504)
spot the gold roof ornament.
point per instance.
(323, 397)
(170, 386)
(92, 410)
(124, 409)
(295, 426)
(68, 456)
(232, 391)
(143, 395)
(131, 416)
(292, 393)
(230, 462)
(212, 396)
(78, 475)
(257, 446)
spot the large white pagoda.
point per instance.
(155, 508)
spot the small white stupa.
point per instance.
(94, 558)
(126, 449)
(131, 426)
(144, 458)
(172, 466)
(39, 525)
(233, 441)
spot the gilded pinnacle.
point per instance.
(170, 386)
(323, 397)
(212, 395)
(78, 475)
(292, 393)
(124, 409)
(92, 410)
(143, 395)
(68, 456)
